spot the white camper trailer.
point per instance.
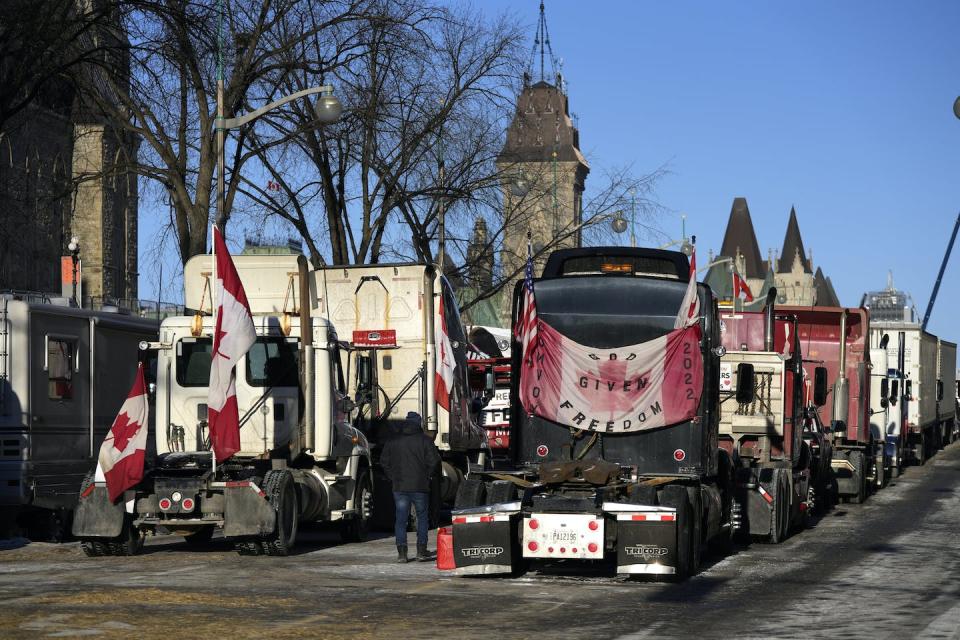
(299, 460)
(392, 314)
(64, 372)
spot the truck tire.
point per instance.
(471, 493)
(357, 528)
(859, 461)
(500, 491)
(281, 492)
(128, 543)
(676, 497)
(780, 524)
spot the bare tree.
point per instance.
(167, 94)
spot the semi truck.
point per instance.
(393, 313)
(915, 351)
(300, 458)
(836, 338)
(774, 467)
(64, 371)
(650, 499)
(946, 383)
(888, 399)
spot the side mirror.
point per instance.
(939, 390)
(746, 383)
(820, 386)
(909, 392)
(364, 375)
(894, 391)
(884, 392)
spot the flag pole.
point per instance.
(733, 286)
(213, 313)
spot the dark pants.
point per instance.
(420, 500)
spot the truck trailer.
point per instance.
(888, 400)
(392, 314)
(300, 458)
(63, 373)
(946, 383)
(650, 499)
(774, 467)
(836, 338)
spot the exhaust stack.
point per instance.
(841, 388)
(768, 311)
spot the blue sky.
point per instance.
(843, 110)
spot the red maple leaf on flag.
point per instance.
(218, 341)
(123, 430)
(603, 400)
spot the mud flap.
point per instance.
(485, 543)
(847, 475)
(96, 516)
(247, 512)
(757, 492)
(646, 539)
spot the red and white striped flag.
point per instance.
(235, 334)
(526, 330)
(443, 380)
(121, 459)
(689, 313)
(740, 288)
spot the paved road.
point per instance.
(887, 569)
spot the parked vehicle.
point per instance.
(847, 361)
(64, 371)
(392, 314)
(765, 437)
(300, 459)
(650, 498)
(946, 381)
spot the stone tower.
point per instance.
(480, 258)
(541, 151)
(794, 274)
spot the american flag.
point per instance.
(526, 328)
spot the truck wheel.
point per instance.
(780, 525)
(200, 537)
(859, 461)
(500, 491)
(471, 494)
(281, 492)
(128, 543)
(676, 497)
(357, 528)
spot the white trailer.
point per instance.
(390, 312)
(64, 372)
(300, 458)
(946, 384)
(920, 424)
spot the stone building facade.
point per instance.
(66, 171)
(790, 271)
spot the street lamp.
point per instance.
(327, 109)
(74, 249)
(956, 107)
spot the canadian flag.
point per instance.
(740, 288)
(445, 362)
(120, 463)
(689, 313)
(234, 336)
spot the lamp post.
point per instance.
(327, 109)
(74, 248)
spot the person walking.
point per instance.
(410, 459)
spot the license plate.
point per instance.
(563, 535)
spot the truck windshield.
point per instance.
(273, 362)
(193, 362)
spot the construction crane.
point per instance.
(943, 267)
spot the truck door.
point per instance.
(61, 441)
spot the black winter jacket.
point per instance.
(410, 459)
